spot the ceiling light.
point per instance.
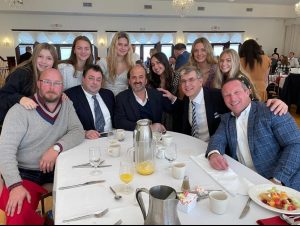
(182, 6)
(297, 8)
(14, 3)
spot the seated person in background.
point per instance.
(29, 147)
(139, 102)
(93, 104)
(292, 60)
(209, 105)
(26, 56)
(283, 67)
(262, 141)
(182, 56)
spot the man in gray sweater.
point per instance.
(30, 143)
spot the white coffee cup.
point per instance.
(178, 170)
(114, 148)
(218, 201)
(167, 139)
(120, 134)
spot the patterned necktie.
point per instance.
(194, 121)
(99, 119)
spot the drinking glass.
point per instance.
(126, 173)
(171, 153)
(95, 158)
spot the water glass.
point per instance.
(171, 153)
(95, 159)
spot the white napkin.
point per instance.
(228, 179)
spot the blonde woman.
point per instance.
(229, 67)
(81, 56)
(117, 63)
(20, 84)
(202, 57)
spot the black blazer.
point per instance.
(82, 106)
(214, 105)
(127, 112)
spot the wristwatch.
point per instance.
(56, 148)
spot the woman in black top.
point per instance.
(20, 84)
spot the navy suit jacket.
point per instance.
(274, 143)
(214, 106)
(182, 59)
(82, 106)
(127, 112)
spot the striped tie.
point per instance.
(99, 119)
(194, 121)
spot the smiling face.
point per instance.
(200, 53)
(157, 66)
(91, 82)
(191, 85)
(225, 63)
(82, 50)
(50, 85)
(236, 96)
(137, 79)
(122, 47)
(44, 60)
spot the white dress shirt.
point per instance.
(243, 150)
(139, 100)
(104, 109)
(201, 119)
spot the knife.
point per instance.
(118, 222)
(89, 166)
(79, 185)
(246, 208)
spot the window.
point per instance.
(65, 52)
(167, 49)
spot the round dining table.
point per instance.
(79, 201)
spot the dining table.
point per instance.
(78, 201)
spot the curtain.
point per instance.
(292, 39)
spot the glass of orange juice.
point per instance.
(126, 174)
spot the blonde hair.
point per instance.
(31, 63)
(210, 59)
(235, 68)
(112, 54)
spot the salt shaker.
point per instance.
(185, 184)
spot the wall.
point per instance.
(269, 32)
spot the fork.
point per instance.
(97, 215)
(290, 219)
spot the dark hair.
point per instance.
(168, 73)
(94, 67)
(251, 51)
(180, 46)
(73, 59)
(245, 82)
(137, 65)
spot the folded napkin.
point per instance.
(228, 179)
(272, 221)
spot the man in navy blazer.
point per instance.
(182, 56)
(264, 142)
(139, 102)
(83, 102)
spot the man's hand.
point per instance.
(157, 127)
(15, 200)
(28, 103)
(167, 94)
(92, 134)
(218, 162)
(275, 182)
(278, 107)
(48, 160)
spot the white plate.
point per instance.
(254, 192)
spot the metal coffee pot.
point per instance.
(162, 205)
(143, 147)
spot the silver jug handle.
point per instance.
(140, 201)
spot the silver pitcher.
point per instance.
(162, 205)
(143, 148)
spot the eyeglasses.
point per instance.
(51, 83)
(190, 80)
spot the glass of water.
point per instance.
(171, 153)
(95, 158)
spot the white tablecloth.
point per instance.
(79, 201)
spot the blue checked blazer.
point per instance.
(274, 143)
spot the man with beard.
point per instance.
(139, 102)
(29, 145)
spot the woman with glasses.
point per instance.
(117, 63)
(81, 56)
(20, 84)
